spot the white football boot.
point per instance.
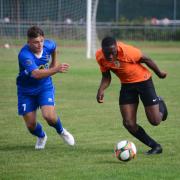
(67, 137)
(41, 142)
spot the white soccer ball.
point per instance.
(125, 150)
(7, 46)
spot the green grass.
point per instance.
(96, 127)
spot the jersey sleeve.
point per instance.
(131, 53)
(27, 62)
(50, 45)
(99, 59)
(134, 54)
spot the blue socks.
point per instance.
(38, 131)
(58, 126)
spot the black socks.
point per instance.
(144, 138)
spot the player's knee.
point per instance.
(155, 122)
(31, 126)
(154, 118)
(51, 119)
(130, 126)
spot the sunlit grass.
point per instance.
(96, 127)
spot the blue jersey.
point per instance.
(29, 62)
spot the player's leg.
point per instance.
(35, 129)
(27, 108)
(155, 110)
(128, 112)
(153, 114)
(46, 101)
(53, 120)
(49, 114)
(128, 106)
(155, 107)
(163, 108)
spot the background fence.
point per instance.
(66, 20)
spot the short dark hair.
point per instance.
(34, 32)
(108, 41)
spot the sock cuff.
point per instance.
(38, 131)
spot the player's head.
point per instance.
(109, 48)
(35, 37)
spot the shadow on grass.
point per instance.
(17, 148)
(100, 155)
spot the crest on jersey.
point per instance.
(116, 63)
(28, 62)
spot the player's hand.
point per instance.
(63, 67)
(100, 97)
(162, 74)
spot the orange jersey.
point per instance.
(127, 66)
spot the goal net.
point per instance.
(72, 23)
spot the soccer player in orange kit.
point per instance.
(127, 63)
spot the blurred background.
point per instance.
(85, 22)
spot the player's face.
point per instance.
(36, 44)
(110, 52)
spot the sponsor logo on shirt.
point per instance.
(44, 66)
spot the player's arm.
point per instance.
(152, 65)
(105, 82)
(57, 68)
(54, 67)
(54, 61)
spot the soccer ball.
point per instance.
(6, 46)
(125, 150)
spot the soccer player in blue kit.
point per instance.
(37, 63)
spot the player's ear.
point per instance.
(28, 40)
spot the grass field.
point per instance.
(96, 127)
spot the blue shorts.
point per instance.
(29, 103)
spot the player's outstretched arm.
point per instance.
(42, 73)
(152, 65)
